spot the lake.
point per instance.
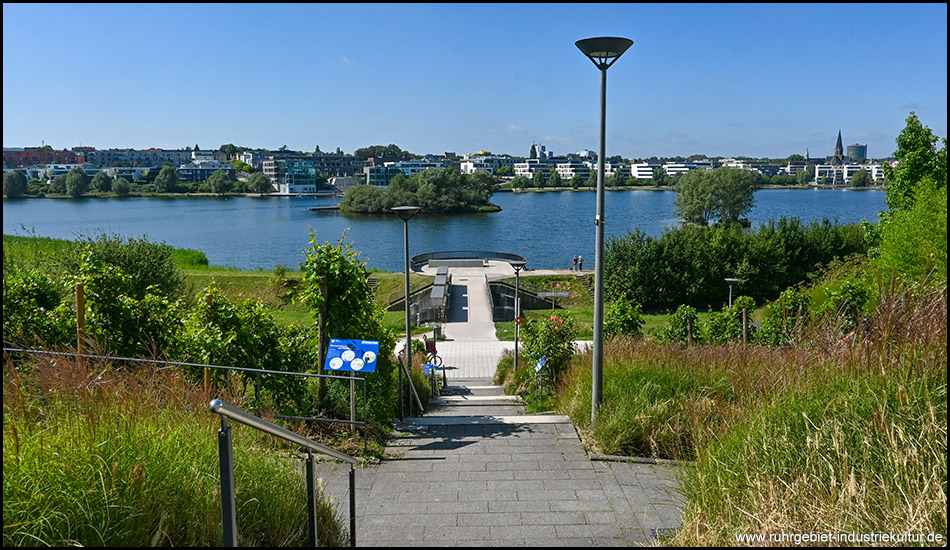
(548, 228)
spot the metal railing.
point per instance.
(422, 259)
(226, 467)
(257, 379)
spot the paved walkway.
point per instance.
(475, 470)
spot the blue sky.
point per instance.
(759, 80)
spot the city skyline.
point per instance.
(761, 81)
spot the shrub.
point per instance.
(550, 338)
(34, 311)
(683, 327)
(623, 318)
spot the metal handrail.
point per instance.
(226, 467)
(419, 260)
(248, 419)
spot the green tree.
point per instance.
(862, 178)
(77, 183)
(58, 185)
(121, 187)
(533, 154)
(102, 181)
(14, 184)
(733, 192)
(219, 182)
(258, 182)
(695, 200)
(352, 313)
(726, 192)
(167, 179)
(918, 160)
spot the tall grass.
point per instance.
(845, 433)
(95, 456)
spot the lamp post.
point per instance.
(406, 212)
(603, 52)
(518, 265)
(731, 281)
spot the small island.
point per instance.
(434, 191)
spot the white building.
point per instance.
(674, 168)
(643, 170)
(841, 174)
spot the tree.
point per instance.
(259, 183)
(58, 185)
(77, 183)
(918, 160)
(335, 281)
(726, 192)
(533, 154)
(219, 182)
(862, 178)
(15, 184)
(167, 179)
(121, 187)
(734, 192)
(102, 181)
(694, 198)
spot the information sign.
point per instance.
(352, 355)
(543, 361)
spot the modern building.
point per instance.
(675, 168)
(293, 175)
(202, 166)
(144, 157)
(410, 167)
(380, 176)
(16, 157)
(488, 163)
(643, 170)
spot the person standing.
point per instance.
(574, 265)
(580, 263)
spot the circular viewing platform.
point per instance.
(462, 258)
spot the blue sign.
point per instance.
(428, 369)
(352, 355)
(541, 363)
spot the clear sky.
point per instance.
(757, 80)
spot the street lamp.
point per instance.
(731, 282)
(518, 265)
(603, 52)
(406, 212)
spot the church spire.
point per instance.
(839, 149)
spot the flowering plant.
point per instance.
(551, 337)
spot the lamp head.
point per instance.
(405, 212)
(603, 51)
(517, 264)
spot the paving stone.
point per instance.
(496, 482)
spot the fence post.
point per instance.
(207, 374)
(745, 326)
(80, 316)
(226, 468)
(324, 340)
(311, 501)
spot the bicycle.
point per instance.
(431, 356)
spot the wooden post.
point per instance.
(207, 373)
(745, 326)
(324, 340)
(80, 316)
